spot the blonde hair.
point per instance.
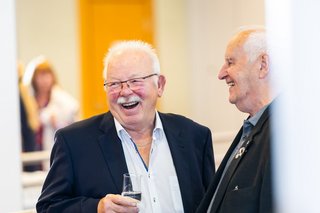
(28, 101)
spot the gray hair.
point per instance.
(131, 45)
(254, 42)
(255, 45)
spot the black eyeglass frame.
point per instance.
(120, 83)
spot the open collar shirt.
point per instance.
(160, 187)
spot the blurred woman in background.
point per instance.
(28, 119)
(56, 107)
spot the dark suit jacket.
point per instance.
(248, 188)
(87, 162)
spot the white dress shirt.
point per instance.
(160, 187)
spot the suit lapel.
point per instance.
(226, 179)
(179, 154)
(236, 161)
(112, 151)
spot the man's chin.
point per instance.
(232, 100)
(130, 120)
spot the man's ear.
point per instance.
(161, 84)
(264, 66)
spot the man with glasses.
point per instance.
(173, 154)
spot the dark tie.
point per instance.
(232, 164)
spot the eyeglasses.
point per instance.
(133, 83)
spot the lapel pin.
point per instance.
(240, 152)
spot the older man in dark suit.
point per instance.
(243, 183)
(173, 154)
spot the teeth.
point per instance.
(230, 84)
(129, 104)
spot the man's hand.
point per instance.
(117, 203)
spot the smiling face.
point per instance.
(134, 109)
(242, 76)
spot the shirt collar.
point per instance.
(158, 131)
(254, 120)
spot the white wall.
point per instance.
(171, 42)
(10, 181)
(191, 37)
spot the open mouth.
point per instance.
(230, 84)
(130, 105)
(129, 102)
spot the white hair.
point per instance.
(131, 45)
(255, 45)
(255, 42)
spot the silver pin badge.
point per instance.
(240, 152)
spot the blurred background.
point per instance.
(189, 36)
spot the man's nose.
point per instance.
(125, 88)
(222, 73)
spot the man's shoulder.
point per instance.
(174, 117)
(89, 124)
(179, 120)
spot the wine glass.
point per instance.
(131, 186)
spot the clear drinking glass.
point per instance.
(131, 186)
